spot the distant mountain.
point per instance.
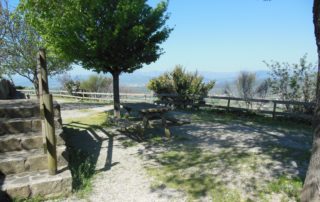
(140, 78)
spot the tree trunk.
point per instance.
(116, 96)
(36, 86)
(311, 188)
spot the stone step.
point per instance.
(23, 125)
(37, 183)
(23, 109)
(29, 160)
(26, 141)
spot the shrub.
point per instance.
(185, 84)
(96, 83)
(296, 82)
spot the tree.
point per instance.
(112, 36)
(245, 84)
(19, 49)
(4, 19)
(311, 187)
(96, 83)
(295, 82)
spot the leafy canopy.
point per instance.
(20, 45)
(104, 35)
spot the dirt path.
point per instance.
(127, 180)
(272, 152)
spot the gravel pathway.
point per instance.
(127, 180)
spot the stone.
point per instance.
(19, 191)
(15, 126)
(10, 144)
(34, 163)
(11, 166)
(32, 142)
(8, 90)
(52, 187)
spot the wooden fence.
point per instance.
(274, 110)
(132, 97)
(274, 103)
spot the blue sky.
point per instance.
(235, 35)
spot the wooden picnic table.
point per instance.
(146, 111)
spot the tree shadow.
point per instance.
(90, 151)
(3, 195)
(229, 144)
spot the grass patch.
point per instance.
(128, 143)
(81, 163)
(83, 170)
(248, 118)
(290, 186)
(96, 120)
(189, 170)
(223, 194)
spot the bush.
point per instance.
(69, 84)
(96, 83)
(295, 82)
(185, 84)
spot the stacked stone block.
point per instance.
(23, 163)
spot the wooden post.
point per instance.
(274, 110)
(50, 133)
(228, 106)
(43, 89)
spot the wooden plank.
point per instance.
(50, 133)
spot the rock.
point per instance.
(8, 91)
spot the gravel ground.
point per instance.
(127, 179)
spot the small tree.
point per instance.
(245, 84)
(96, 83)
(112, 36)
(69, 84)
(296, 82)
(19, 49)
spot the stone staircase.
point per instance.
(23, 164)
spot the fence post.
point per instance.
(274, 109)
(43, 89)
(228, 107)
(50, 133)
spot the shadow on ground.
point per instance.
(204, 155)
(90, 150)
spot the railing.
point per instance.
(132, 97)
(266, 106)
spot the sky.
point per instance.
(234, 35)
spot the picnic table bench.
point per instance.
(146, 112)
(174, 100)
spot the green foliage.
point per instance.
(293, 81)
(82, 170)
(183, 83)
(72, 86)
(288, 185)
(21, 43)
(96, 83)
(103, 35)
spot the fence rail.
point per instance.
(97, 96)
(149, 97)
(274, 104)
